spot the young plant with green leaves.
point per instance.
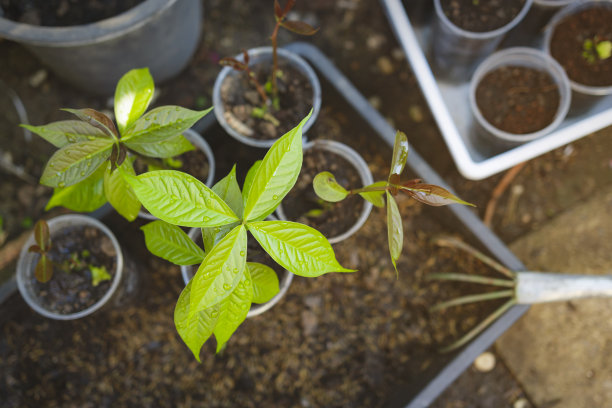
(218, 298)
(596, 49)
(327, 188)
(271, 86)
(83, 172)
(43, 271)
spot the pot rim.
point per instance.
(24, 266)
(200, 143)
(559, 16)
(261, 52)
(256, 309)
(354, 158)
(516, 56)
(484, 35)
(84, 34)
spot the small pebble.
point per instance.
(375, 41)
(398, 54)
(416, 114)
(521, 403)
(375, 101)
(38, 78)
(385, 65)
(485, 362)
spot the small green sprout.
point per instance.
(99, 274)
(594, 50)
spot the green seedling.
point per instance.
(595, 49)
(269, 92)
(83, 172)
(218, 298)
(326, 187)
(43, 271)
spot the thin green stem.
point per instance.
(460, 277)
(472, 299)
(368, 189)
(453, 242)
(480, 327)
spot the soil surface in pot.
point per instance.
(567, 46)
(481, 15)
(60, 13)
(518, 99)
(240, 98)
(303, 205)
(73, 250)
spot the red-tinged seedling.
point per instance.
(44, 268)
(326, 187)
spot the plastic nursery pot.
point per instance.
(200, 144)
(521, 57)
(456, 51)
(355, 159)
(534, 22)
(94, 56)
(239, 130)
(256, 309)
(583, 95)
(122, 283)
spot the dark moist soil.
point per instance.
(336, 218)
(71, 290)
(56, 13)
(240, 97)
(194, 162)
(517, 99)
(567, 42)
(481, 15)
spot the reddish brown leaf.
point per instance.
(41, 235)
(35, 248)
(44, 269)
(288, 6)
(122, 155)
(433, 195)
(96, 119)
(278, 13)
(299, 27)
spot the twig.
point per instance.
(499, 191)
(472, 299)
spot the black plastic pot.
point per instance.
(159, 34)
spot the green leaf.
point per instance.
(162, 123)
(221, 271)
(233, 310)
(265, 282)
(119, 193)
(171, 243)
(194, 328)
(99, 274)
(132, 96)
(43, 271)
(229, 191)
(296, 247)
(96, 119)
(248, 181)
(180, 199)
(84, 196)
(211, 236)
(400, 154)
(276, 175)
(42, 236)
(75, 162)
(604, 49)
(65, 132)
(375, 197)
(395, 232)
(327, 188)
(433, 195)
(170, 147)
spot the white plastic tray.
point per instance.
(450, 107)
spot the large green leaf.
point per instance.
(233, 310)
(132, 96)
(119, 193)
(84, 196)
(265, 282)
(327, 188)
(180, 199)
(194, 328)
(229, 191)
(64, 132)
(75, 162)
(221, 270)
(170, 147)
(248, 181)
(276, 175)
(171, 243)
(296, 247)
(375, 197)
(400, 154)
(395, 232)
(162, 123)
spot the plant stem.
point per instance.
(368, 189)
(472, 299)
(459, 277)
(273, 37)
(480, 327)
